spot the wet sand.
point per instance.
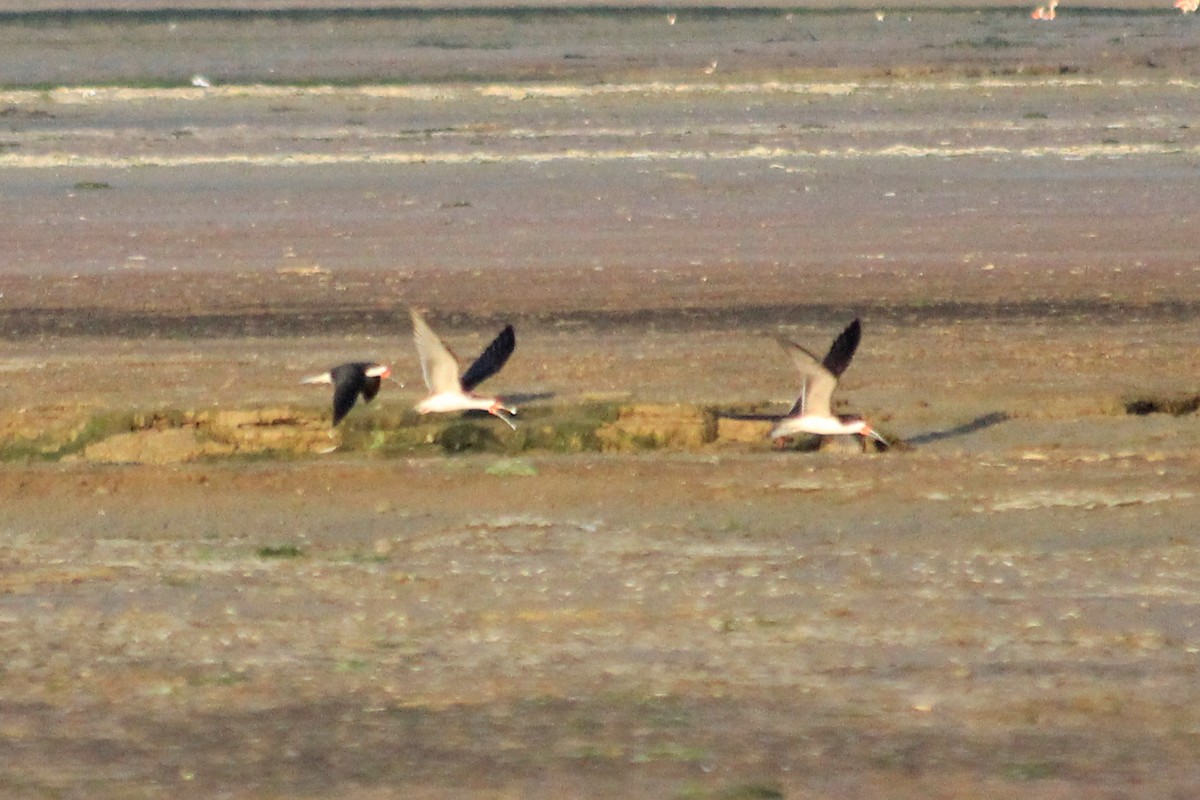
(1000, 607)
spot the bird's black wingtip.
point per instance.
(843, 348)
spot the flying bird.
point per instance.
(812, 412)
(447, 390)
(349, 381)
(1046, 12)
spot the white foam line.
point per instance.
(84, 95)
(60, 160)
(361, 134)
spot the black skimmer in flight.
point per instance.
(448, 391)
(349, 381)
(813, 412)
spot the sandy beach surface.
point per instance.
(634, 595)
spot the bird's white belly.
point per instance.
(821, 426)
(452, 401)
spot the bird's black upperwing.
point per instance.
(490, 360)
(842, 350)
(348, 381)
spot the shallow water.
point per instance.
(407, 45)
(824, 141)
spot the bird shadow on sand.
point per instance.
(752, 417)
(977, 424)
(518, 399)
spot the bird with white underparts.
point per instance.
(813, 410)
(450, 391)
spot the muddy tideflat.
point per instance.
(1000, 607)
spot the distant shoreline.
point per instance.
(17, 11)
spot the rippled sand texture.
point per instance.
(1001, 606)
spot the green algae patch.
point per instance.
(56, 433)
(172, 436)
(279, 551)
(512, 467)
(556, 429)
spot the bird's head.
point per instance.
(867, 431)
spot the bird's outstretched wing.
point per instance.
(842, 350)
(817, 382)
(348, 381)
(490, 360)
(438, 364)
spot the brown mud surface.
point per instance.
(1002, 605)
